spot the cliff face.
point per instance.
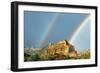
(59, 48)
(72, 52)
(62, 49)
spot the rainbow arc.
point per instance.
(78, 29)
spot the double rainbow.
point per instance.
(52, 23)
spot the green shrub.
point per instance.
(35, 57)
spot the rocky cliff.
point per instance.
(62, 49)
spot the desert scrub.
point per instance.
(84, 55)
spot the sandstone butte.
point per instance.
(62, 49)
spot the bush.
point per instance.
(35, 57)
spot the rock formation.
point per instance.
(62, 49)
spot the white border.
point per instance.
(22, 64)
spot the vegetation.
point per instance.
(44, 56)
(84, 55)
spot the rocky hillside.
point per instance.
(60, 50)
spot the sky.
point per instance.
(82, 40)
(42, 28)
